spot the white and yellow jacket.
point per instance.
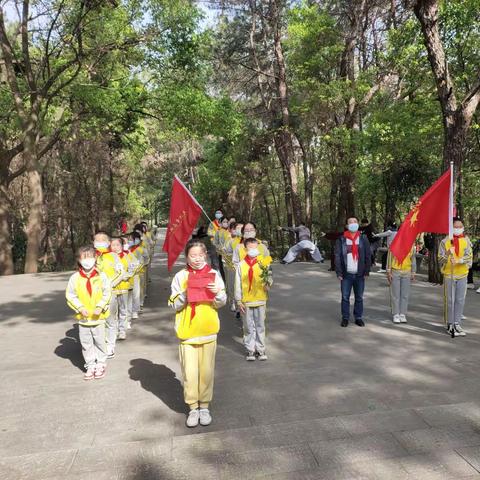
(204, 326)
(78, 298)
(254, 295)
(240, 252)
(463, 261)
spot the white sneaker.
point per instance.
(250, 357)
(459, 332)
(205, 417)
(396, 319)
(471, 286)
(403, 318)
(134, 316)
(193, 418)
(464, 317)
(122, 336)
(381, 270)
(262, 356)
(478, 290)
(233, 307)
(129, 325)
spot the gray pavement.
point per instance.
(382, 402)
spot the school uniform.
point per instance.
(240, 251)
(196, 327)
(401, 280)
(251, 292)
(455, 276)
(89, 293)
(109, 263)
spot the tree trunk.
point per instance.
(6, 258)
(34, 224)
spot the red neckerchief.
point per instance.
(456, 243)
(134, 248)
(88, 277)
(121, 254)
(250, 262)
(98, 253)
(191, 271)
(216, 224)
(353, 237)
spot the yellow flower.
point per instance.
(264, 261)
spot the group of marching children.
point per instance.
(107, 292)
(240, 276)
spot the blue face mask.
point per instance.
(353, 227)
(218, 216)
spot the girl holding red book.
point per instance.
(198, 292)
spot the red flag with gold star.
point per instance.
(432, 213)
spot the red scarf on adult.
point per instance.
(353, 237)
(250, 262)
(191, 271)
(456, 243)
(88, 277)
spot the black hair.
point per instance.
(250, 240)
(194, 243)
(233, 225)
(364, 220)
(353, 216)
(136, 234)
(457, 219)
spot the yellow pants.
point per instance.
(198, 366)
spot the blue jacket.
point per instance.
(364, 256)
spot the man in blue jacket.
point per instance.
(352, 265)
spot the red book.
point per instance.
(197, 290)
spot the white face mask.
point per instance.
(254, 252)
(99, 245)
(458, 231)
(198, 267)
(238, 232)
(250, 234)
(137, 241)
(352, 227)
(87, 263)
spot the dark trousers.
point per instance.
(358, 283)
(384, 260)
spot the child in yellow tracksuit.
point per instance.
(109, 263)
(196, 326)
(230, 246)
(88, 295)
(249, 230)
(400, 276)
(455, 258)
(252, 281)
(133, 266)
(137, 250)
(121, 289)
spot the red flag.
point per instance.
(432, 213)
(184, 214)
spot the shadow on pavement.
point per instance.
(159, 380)
(70, 348)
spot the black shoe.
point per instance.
(359, 322)
(344, 323)
(283, 262)
(237, 316)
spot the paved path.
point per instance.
(384, 402)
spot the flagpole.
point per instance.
(193, 198)
(450, 236)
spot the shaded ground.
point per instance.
(383, 402)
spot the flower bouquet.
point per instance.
(264, 264)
